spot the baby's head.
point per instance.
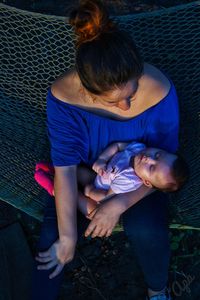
(160, 169)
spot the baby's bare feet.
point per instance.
(88, 189)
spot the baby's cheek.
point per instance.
(143, 173)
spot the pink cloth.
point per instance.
(120, 177)
(44, 176)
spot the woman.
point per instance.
(110, 96)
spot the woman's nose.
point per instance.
(124, 104)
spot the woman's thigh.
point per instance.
(148, 216)
(146, 225)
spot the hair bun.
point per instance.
(89, 20)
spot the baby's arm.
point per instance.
(100, 164)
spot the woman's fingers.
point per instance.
(109, 232)
(56, 271)
(47, 266)
(90, 229)
(102, 233)
(44, 254)
(43, 259)
(97, 231)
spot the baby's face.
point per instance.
(153, 166)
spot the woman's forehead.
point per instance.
(121, 92)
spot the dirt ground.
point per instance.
(106, 268)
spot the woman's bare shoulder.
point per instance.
(66, 86)
(155, 83)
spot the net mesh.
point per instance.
(36, 49)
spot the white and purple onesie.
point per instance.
(120, 176)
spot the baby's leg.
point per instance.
(45, 180)
(86, 177)
(45, 166)
(95, 194)
(85, 204)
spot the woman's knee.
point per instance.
(148, 235)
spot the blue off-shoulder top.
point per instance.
(79, 136)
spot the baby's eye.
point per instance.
(152, 167)
(157, 155)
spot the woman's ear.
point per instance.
(147, 183)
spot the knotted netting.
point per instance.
(35, 49)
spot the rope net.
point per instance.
(36, 49)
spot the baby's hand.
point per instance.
(100, 166)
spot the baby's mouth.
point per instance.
(141, 155)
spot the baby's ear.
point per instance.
(147, 183)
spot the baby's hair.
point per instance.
(180, 174)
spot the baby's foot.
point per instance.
(45, 166)
(88, 189)
(45, 180)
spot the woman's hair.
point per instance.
(106, 57)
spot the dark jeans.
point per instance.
(146, 226)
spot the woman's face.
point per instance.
(120, 97)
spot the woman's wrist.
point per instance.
(119, 204)
(126, 200)
(65, 238)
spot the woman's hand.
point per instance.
(100, 166)
(106, 215)
(104, 218)
(60, 253)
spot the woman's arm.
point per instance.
(66, 195)
(105, 218)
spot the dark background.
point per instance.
(106, 266)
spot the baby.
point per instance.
(124, 167)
